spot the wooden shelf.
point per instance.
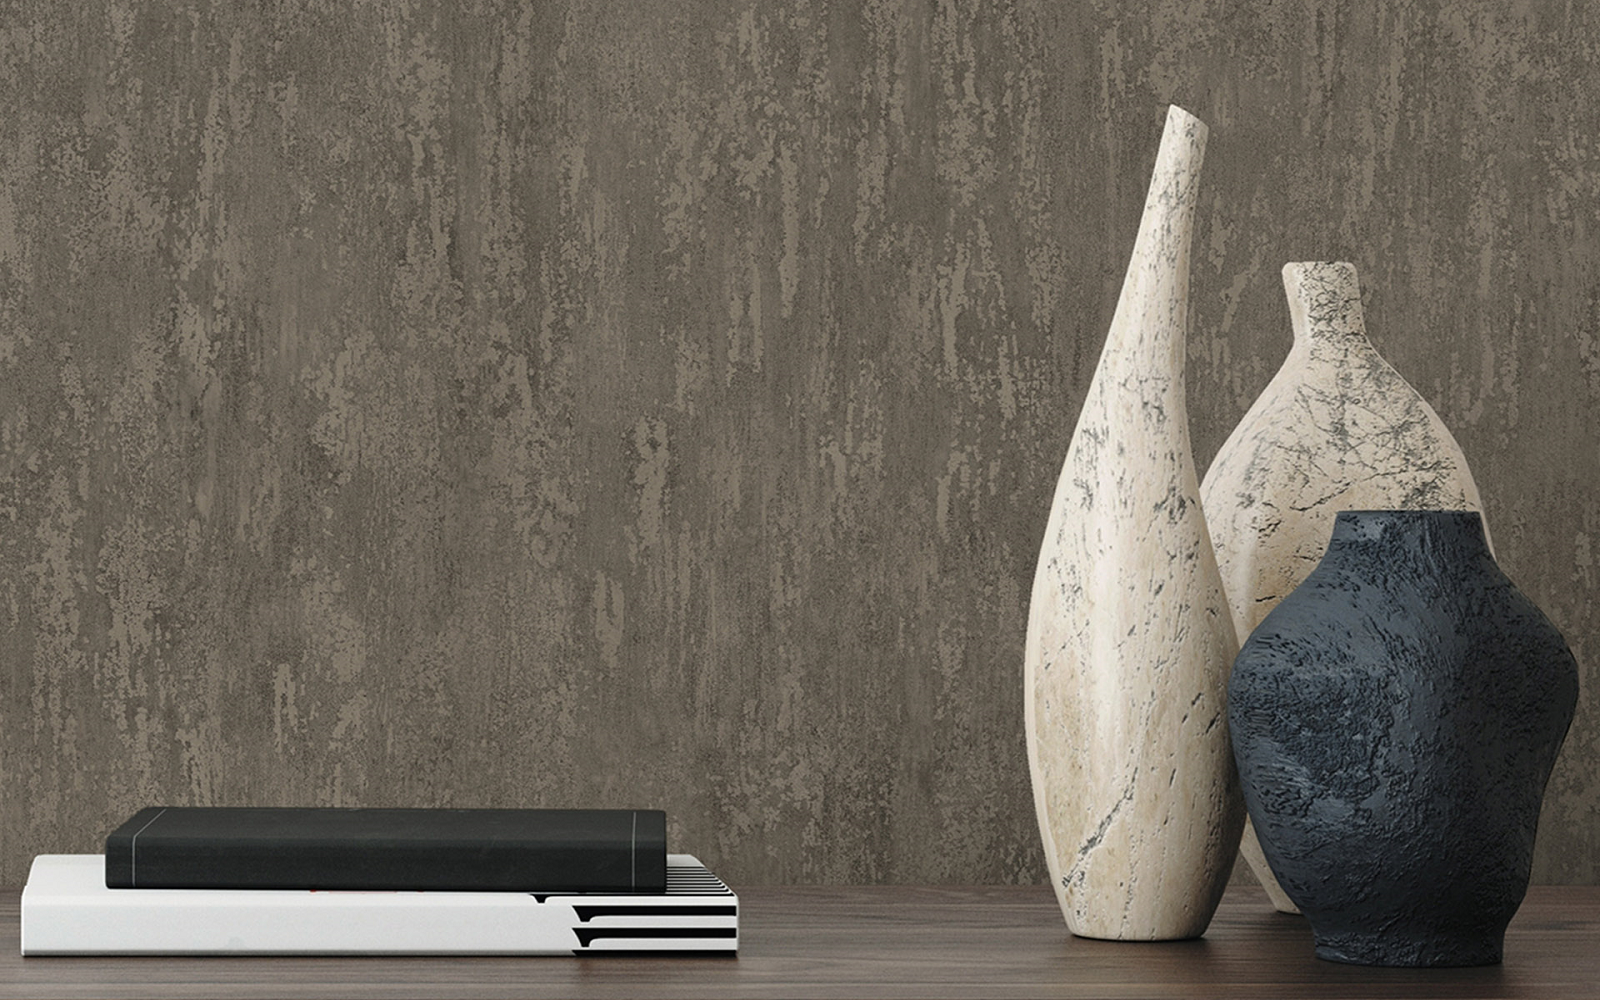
(882, 941)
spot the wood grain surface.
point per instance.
(884, 941)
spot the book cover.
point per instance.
(68, 910)
(509, 850)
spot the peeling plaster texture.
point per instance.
(507, 404)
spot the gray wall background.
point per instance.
(424, 403)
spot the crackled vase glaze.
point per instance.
(1129, 640)
(1336, 429)
(1395, 721)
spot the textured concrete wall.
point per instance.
(659, 403)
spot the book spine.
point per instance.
(141, 855)
(122, 847)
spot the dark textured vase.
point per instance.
(1395, 720)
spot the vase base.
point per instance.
(1151, 937)
(1412, 951)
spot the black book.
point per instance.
(512, 850)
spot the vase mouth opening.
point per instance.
(1340, 271)
(1462, 526)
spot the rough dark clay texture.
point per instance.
(1395, 720)
(658, 404)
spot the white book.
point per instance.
(67, 910)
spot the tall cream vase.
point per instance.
(1336, 429)
(1129, 640)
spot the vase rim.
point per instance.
(1298, 266)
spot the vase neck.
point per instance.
(1423, 532)
(1152, 311)
(1169, 200)
(1325, 306)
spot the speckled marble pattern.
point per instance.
(1336, 429)
(633, 403)
(1129, 642)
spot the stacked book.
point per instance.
(179, 880)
